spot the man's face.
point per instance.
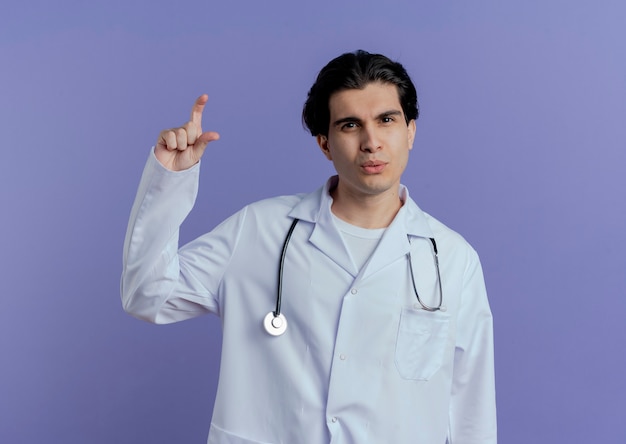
(368, 140)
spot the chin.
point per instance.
(378, 187)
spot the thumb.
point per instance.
(203, 140)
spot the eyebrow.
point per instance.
(359, 121)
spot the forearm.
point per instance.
(150, 263)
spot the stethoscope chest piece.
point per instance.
(275, 325)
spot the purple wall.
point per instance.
(521, 147)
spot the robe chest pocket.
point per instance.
(421, 343)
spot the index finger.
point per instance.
(198, 107)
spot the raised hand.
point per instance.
(180, 148)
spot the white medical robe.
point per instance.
(361, 362)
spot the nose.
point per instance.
(370, 140)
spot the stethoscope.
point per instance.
(275, 322)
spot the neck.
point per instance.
(366, 211)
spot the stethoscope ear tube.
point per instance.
(440, 306)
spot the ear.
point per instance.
(322, 141)
(411, 130)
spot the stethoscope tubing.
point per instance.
(276, 324)
(282, 264)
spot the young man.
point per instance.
(378, 328)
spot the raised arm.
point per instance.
(160, 283)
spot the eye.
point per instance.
(387, 119)
(348, 126)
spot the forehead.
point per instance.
(374, 98)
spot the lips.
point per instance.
(373, 166)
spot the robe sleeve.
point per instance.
(473, 403)
(161, 283)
